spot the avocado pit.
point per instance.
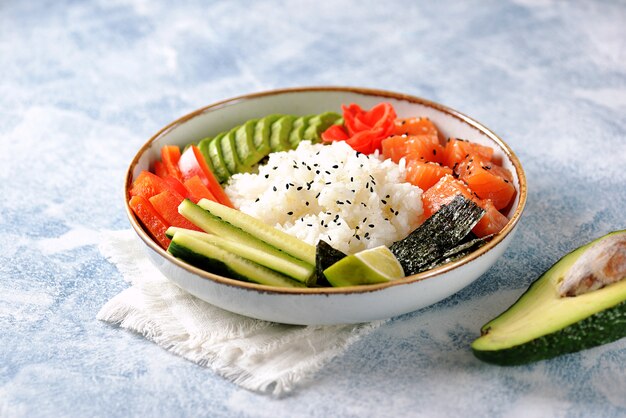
(601, 265)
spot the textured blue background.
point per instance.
(84, 84)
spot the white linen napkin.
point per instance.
(257, 355)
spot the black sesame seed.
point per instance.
(290, 213)
(505, 180)
(327, 172)
(335, 166)
(348, 202)
(257, 199)
(274, 188)
(371, 225)
(317, 171)
(306, 203)
(299, 188)
(267, 176)
(357, 237)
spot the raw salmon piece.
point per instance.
(394, 147)
(444, 191)
(415, 126)
(457, 150)
(492, 221)
(487, 180)
(412, 147)
(425, 174)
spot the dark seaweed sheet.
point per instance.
(325, 256)
(437, 235)
(459, 251)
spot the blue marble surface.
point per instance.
(84, 84)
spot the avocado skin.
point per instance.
(601, 328)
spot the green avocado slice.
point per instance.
(297, 130)
(279, 133)
(203, 146)
(318, 124)
(244, 145)
(229, 152)
(217, 159)
(262, 134)
(542, 324)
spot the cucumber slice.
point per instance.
(214, 225)
(262, 134)
(280, 262)
(213, 258)
(297, 130)
(274, 237)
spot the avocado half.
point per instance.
(543, 324)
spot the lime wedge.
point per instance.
(376, 265)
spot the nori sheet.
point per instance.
(459, 251)
(431, 240)
(325, 256)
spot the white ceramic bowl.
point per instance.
(316, 306)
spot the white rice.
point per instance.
(330, 192)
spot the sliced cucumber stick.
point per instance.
(216, 259)
(302, 270)
(280, 262)
(268, 234)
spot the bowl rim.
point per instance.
(429, 274)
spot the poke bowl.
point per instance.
(341, 301)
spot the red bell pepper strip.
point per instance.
(148, 184)
(176, 186)
(197, 190)
(170, 155)
(159, 169)
(192, 164)
(166, 204)
(154, 223)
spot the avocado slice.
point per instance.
(543, 324)
(244, 145)
(203, 146)
(318, 124)
(217, 159)
(262, 133)
(279, 133)
(229, 152)
(297, 130)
